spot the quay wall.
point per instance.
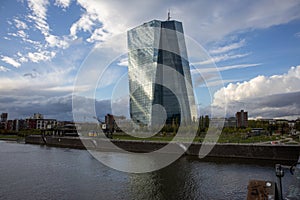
(249, 151)
(66, 142)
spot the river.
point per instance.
(41, 172)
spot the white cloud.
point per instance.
(208, 77)
(220, 58)
(217, 19)
(37, 81)
(35, 44)
(214, 83)
(297, 35)
(276, 96)
(40, 56)
(23, 59)
(258, 87)
(20, 24)
(54, 41)
(240, 66)
(85, 23)
(68, 88)
(123, 62)
(10, 61)
(12, 34)
(39, 14)
(62, 3)
(284, 105)
(102, 19)
(98, 35)
(224, 68)
(21, 34)
(110, 13)
(4, 69)
(227, 48)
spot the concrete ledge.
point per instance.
(249, 151)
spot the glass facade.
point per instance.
(159, 73)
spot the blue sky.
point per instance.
(254, 44)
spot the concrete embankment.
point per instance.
(19, 140)
(249, 151)
(67, 142)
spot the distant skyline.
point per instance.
(255, 45)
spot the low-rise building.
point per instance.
(31, 123)
(257, 131)
(4, 117)
(281, 121)
(3, 121)
(46, 123)
(291, 123)
(37, 116)
(65, 130)
(3, 125)
(16, 125)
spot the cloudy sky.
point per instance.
(254, 44)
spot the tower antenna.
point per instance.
(169, 16)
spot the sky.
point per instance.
(251, 48)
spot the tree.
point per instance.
(297, 124)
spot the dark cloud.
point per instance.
(32, 74)
(59, 107)
(281, 100)
(4, 99)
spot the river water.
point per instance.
(40, 172)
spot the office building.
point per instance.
(159, 73)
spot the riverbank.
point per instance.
(13, 138)
(289, 153)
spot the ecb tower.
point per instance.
(157, 55)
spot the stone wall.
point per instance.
(249, 151)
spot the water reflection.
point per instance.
(37, 172)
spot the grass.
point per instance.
(155, 138)
(242, 139)
(10, 137)
(224, 138)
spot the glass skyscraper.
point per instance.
(159, 73)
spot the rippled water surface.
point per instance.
(39, 172)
